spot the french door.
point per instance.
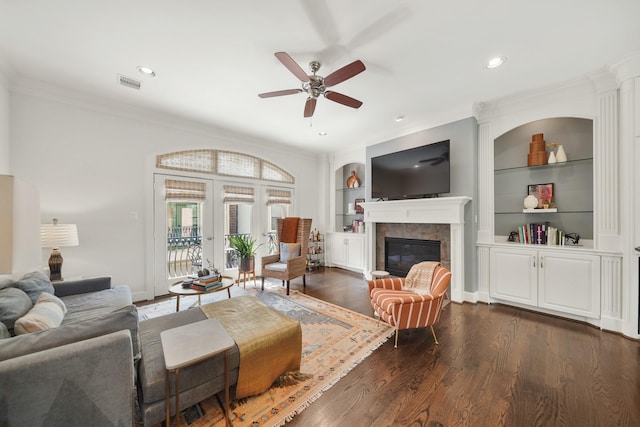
(183, 228)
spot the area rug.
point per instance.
(334, 341)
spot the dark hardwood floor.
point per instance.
(495, 366)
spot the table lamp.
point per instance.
(55, 236)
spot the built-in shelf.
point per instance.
(541, 211)
(548, 166)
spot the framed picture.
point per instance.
(359, 208)
(543, 192)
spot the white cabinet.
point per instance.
(563, 281)
(346, 250)
(514, 276)
(569, 283)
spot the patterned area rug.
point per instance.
(334, 341)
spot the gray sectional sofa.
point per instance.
(78, 373)
(97, 362)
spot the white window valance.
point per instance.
(227, 163)
(238, 194)
(185, 190)
(279, 196)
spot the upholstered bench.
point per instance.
(268, 344)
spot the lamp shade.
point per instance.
(58, 235)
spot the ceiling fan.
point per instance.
(436, 160)
(315, 85)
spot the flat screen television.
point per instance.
(410, 174)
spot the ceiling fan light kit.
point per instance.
(315, 85)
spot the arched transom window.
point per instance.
(227, 163)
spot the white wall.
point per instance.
(87, 159)
(5, 160)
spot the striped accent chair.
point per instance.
(403, 308)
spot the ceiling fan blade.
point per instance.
(310, 106)
(292, 66)
(343, 99)
(344, 73)
(279, 93)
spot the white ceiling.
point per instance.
(425, 59)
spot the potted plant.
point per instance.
(245, 248)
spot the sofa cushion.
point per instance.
(47, 313)
(33, 284)
(289, 250)
(4, 332)
(6, 283)
(87, 306)
(125, 318)
(14, 304)
(276, 266)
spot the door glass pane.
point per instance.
(184, 238)
(275, 211)
(237, 221)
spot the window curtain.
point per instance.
(279, 197)
(238, 194)
(185, 190)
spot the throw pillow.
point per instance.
(289, 250)
(13, 304)
(47, 313)
(33, 284)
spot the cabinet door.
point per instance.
(355, 252)
(336, 250)
(570, 283)
(513, 275)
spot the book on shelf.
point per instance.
(540, 234)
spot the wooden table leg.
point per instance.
(229, 292)
(177, 303)
(177, 374)
(226, 388)
(167, 390)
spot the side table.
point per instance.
(178, 290)
(187, 345)
(379, 274)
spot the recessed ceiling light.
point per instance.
(322, 133)
(399, 118)
(496, 62)
(146, 71)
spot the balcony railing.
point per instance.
(184, 251)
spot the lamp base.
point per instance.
(55, 266)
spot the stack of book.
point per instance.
(210, 278)
(540, 234)
(205, 286)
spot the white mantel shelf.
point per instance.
(440, 210)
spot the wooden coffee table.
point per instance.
(178, 290)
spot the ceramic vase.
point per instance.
(530, 202)
(353, 181)
(552, 158)
(561, 156)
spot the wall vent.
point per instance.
(129, 82)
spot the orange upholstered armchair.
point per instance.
(291, 260)
(412, 302)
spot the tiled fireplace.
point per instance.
(434, 219)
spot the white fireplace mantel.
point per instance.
(440, 210)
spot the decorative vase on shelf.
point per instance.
(552, 158)
(530, 202)
(353, 181)
(561, 156)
